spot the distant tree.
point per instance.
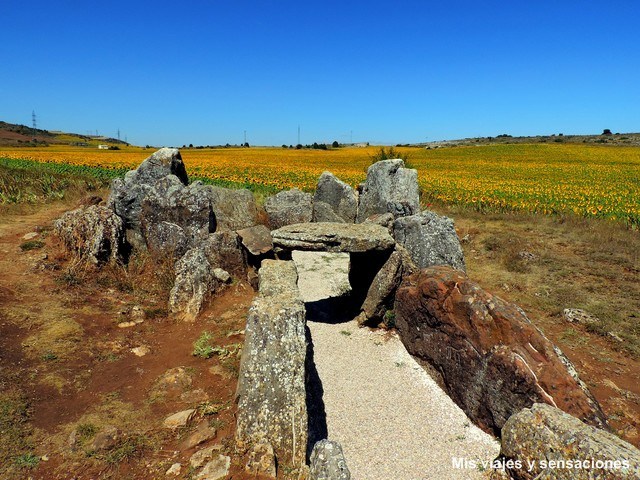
(299, 146)
(246, 145)
(335, 144)
(284, 146)
(606, 131)
(191, 145)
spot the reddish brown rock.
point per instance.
(493, 361)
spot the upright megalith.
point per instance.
(493, 360)
(342, 199)
(127, 193)
(289, 207)
(381, 292)
(272, 410)
(94, 233)
(389, 188)
(232, 209)
(175, 217)
(327, 462)
(430, 239)
(195, 282)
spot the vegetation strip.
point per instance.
(593, 181)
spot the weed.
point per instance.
(212, 408)
(27, 460)
(31, 245)
(49, 356)
(86, 430)
(201, 347)
(389, 319)
(345, 333)
(126, 449)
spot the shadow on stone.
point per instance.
(317, 416)
(364, 267)
(332, 310)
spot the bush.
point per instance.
(391, 153)
(335, 144)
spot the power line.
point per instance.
(33, 119)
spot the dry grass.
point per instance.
(547, 264)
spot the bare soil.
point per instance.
(66, 365)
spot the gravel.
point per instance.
(391, 418)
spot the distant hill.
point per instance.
(22, 136)
(630, 139)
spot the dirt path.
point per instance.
(391, 418)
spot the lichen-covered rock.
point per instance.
(333, 237)
(288, 207)
(127, 194)
(389, 188)
(234, 209)
(430, 239)
(216, 469)
(322, 212)
(174, 217)
(381, 293)
(271, 386)
(328, 462)
(384, 219)
(257, 240)
(342, 198)
(493, 361)
(194, 283)
(537, 436)
(94, 233)
(224, 250)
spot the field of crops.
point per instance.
(585, 180)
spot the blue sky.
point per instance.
(203, 72)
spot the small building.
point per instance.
(103, 147)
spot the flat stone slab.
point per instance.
(322, 274)
(333, 237)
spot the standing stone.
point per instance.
(271, 386)
(322, 212)
(224, 250)
(257, 240)
(381, 293)
(430, 240)
(194, 283)
(328, 462)
(127, 194)
(389, 188)
(233, 209)
(342, 198)
(543, 433)
(289, 207)
(493, 361)
(175, 218)
(94, 233)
